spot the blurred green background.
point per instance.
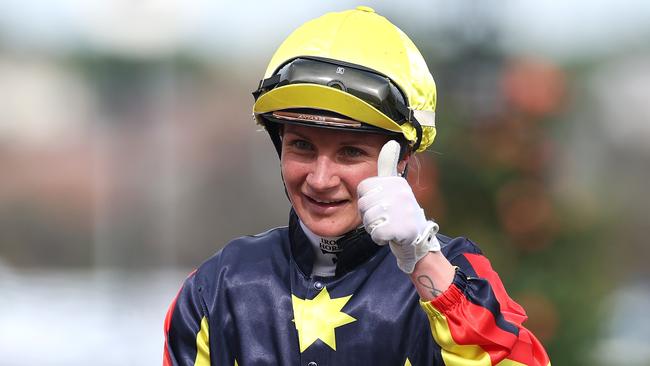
(128, 155)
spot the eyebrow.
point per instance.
(362, 142)
(298, 134)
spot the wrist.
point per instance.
(427, 241)
(409, 255)
(432, 275)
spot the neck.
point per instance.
(356, 247)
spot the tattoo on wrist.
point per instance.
(427, 283)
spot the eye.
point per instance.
(352, 152)
(301, 145)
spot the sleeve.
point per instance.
(186, 328)
(476, 323)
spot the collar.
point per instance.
(356, 247)
(326, 251)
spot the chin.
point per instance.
(323, 228)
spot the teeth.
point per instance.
(319, 201)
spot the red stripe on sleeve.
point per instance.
(168, 319)
(511, 311)
(527, 350)
(471, 324)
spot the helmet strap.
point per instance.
(273, 129)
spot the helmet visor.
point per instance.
(373, 88)
(323, 119)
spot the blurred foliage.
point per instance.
(493, 157)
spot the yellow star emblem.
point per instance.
(317, 318)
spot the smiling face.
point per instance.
(322, 169)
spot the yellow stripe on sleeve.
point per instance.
(453, 353)
(507, 362)
(203, 345)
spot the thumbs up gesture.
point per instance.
(392, 215)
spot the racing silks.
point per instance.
(255, 303)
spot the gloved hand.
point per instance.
(391, 214)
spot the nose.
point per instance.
(323, 175)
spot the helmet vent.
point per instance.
(337, 85)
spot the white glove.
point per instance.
(391, 214)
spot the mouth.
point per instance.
(325, 203)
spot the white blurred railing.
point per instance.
(107, 317)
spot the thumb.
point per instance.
(388, 159)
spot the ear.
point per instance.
(401, 166)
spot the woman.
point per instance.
(359, 276)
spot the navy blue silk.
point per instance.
(245, 292)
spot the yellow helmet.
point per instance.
(359, 67)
